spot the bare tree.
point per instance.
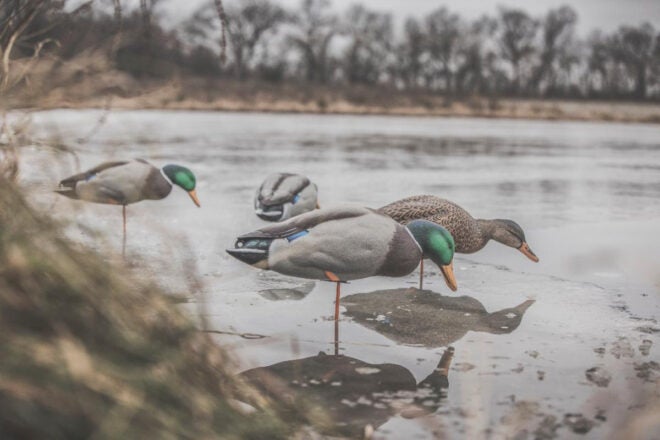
(443, 33)
(15, 17)
(410, 52)
(203, 35)
(513, 53)
(371, 42)
(633, 47)
(477, 72)
(200, 28)
(557, 27)
(517, 33)
(598, 76)
(27, 27)
(655, 67)
(314, 28)
(247, 25)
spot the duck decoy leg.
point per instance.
(335, 279)
(421, 274)
(123, 245)
(445, 361)
(337, 301)
(336, 337)
(432, 390)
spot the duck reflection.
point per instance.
(412, 316)
(283, 294)
(346, 394)
(350, 394)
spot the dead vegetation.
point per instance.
(92, 83)
(90, 351)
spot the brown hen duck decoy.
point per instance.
(470, 234)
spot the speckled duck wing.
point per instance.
(417, 207)
(460, 224)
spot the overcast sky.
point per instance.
(604, 14)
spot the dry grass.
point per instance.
(88, 351)
(89, 81)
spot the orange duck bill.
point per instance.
(193, 196)
(448, 273)
(524, 248)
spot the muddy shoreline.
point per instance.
(535, 110)
(102, 87)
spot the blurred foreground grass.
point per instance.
(89, 351)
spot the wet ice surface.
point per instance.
(587, 195)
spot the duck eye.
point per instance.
(295, 199)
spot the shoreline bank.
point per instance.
(589, 111)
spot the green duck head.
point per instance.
(438, 245)
(184, 178)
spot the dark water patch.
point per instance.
(453, 146)
(631, 189)
(555, 188)
(631, 146)
(648, 371)
(622, 348)
(645, 347)
(648, 329)
(634, 167)
(578, 423)
(598, 376)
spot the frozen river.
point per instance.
(524, 335)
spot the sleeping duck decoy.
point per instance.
(346, 243)
(126, 182)
(470, 234)
(283, 195)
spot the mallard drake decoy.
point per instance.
(126, 182)
(470, 234)
(346, 243)
(283, 195)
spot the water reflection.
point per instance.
(345, 394)
(412, 316)
(282, 294)
(349, 394)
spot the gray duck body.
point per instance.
(117, 183)
(469, 233)
(350, 242)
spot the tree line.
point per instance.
(511, 53)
